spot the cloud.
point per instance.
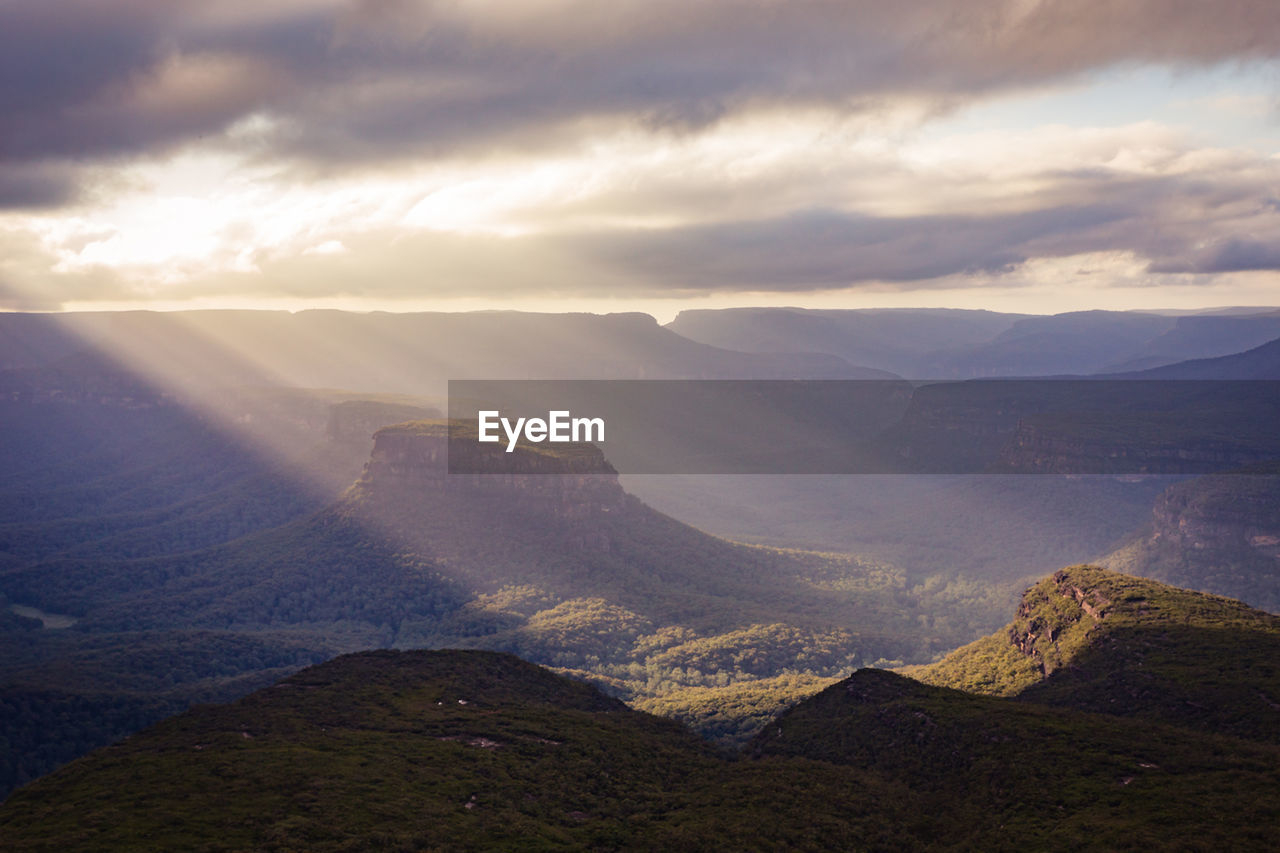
(357, 81)
(713, 214)
(34, 186)
(399, 148)
(1180, 224)
(30, 278)
(1225, 255)
(822, 249)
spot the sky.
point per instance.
(1028, 155)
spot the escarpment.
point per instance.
(1219, 533)
(411, 465)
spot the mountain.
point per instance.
(470, 750)
(1086, 426)
(446, 750)
(1204, 336)
(898, 340)
(101, 484)
(1088, 342)
(980, 539)
(953, 344)
(986, 773)
(547, 537)
(1110, 643)
(189, 352)
(559, 565)
(442, 750)
(1076, 342)
(1260, 363)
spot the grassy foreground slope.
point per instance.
(996, 774)
(438, 750)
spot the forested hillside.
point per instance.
(458, 750)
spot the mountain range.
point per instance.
(194, 506)
(962, 344)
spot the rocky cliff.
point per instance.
(568, 482)
(1218, 533)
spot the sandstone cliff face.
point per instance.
(512, 510)
(1218, 534)
(573, 485)
(1225, 512)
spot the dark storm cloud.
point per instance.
(94, 79)
(832, 249)
(1226, 255)
(33, 186)
(373, 79)
(1162, 220)
(60, 56)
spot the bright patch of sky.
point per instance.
(1235, 105)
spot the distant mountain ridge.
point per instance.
(379, 352)
(1260, 363)
(954, 344)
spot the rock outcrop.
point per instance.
(568, 482)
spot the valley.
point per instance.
(164, 547)
(720, 426)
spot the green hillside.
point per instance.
(429, 750)
(988, 773)
(206, 577)
(1102, 641)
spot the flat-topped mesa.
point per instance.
(417, 454)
